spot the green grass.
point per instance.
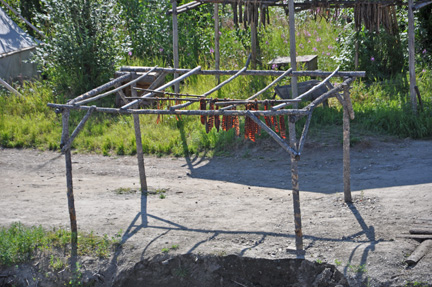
(380, 107)
(19, 243)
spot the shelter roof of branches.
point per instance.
(370, 13)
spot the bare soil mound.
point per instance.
(230, 271)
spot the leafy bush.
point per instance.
(150, 29)
(424, 36)
(19, 243)
(381, 55)
(85, 43)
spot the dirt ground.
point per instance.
(239, 204)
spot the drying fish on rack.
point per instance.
(266, 118)
(282, 127)
(210, 120)
(203, 108)
(217, 120)
(160, 105)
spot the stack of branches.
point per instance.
(374, 15)
(247, 12)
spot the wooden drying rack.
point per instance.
(129, 76)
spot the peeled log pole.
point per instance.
(294, 91)
(254, 43)
(275, 73)
(346, 147)
(70, 195)
(421, 230)
(140, 154)
(295, 188)
(175, 42)
(261, 113)
(9, 87)
(217, 38)
(67, 145)
(411, 53)
(419, 252)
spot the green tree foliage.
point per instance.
(85, 43)
(424, 35)
(29, 10)
(381, 55)
(150, 30)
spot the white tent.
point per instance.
(16, 48)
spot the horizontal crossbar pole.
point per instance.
(275, 73)
(293, 112)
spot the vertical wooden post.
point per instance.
(69, 184)
(217, 38)
(138, 140)
(294, 90)
(356, 55)
(175, 42)
(346, 146)
(411, 49)
(295, 188)
(254, 36)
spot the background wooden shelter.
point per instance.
(372, 14)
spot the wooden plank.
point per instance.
(419, 252)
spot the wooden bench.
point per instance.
(307, 62)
